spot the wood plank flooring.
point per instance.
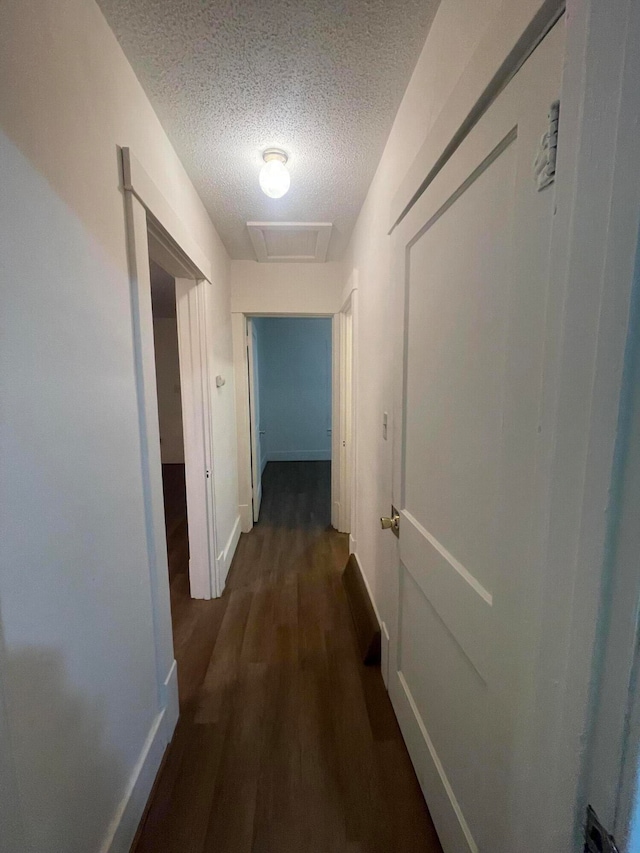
(286, 741)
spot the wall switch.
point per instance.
(385, 422)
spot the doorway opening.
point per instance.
(289, 366)
(170, 422)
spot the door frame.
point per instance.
(593, 264)
(254, 426)
(154, 230)
(243, 413)
(343, 502)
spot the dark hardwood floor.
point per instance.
(286, 741)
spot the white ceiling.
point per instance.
(321, 79)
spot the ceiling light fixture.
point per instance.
(274, 175)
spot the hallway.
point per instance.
(286, 741)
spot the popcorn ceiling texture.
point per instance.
(321, 79)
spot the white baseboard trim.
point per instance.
(246, 517)
(450, 824)
(171, 701)
(226, 557)
(124, 824)
(299, 455)
(352, 545)
(384, 653)
(366, 583)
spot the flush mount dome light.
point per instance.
(274, 175)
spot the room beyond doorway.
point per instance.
(290, 395)
(172, 450)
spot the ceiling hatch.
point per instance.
(278, 242)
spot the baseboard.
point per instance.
(171, 701)
(366, 583)
(335, 515)
(226, 557)
(365, 620)
(246, 517)
(384, 654)
(125, 822)
(299, 456)
(352, 547)
(452, 829)
(257, 502)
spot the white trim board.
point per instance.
(593, 259)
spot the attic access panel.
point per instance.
(300, 242)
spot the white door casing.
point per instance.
(254, 417)
(344, 447)
(154, 230)
(472, 260)
(243, 411)
(196, 420)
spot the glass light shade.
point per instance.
(274, 179)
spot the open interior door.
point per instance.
(254, 411)
(472, 269)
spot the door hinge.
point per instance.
(544, 166)
(596, 837)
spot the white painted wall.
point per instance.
(77, 651)
(165, 339)
(286, 288)
(294, 375)
(456, 31)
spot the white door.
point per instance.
(196, 423)
(254, 411)
(473, 255)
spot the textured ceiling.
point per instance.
(321, 79)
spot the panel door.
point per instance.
(472, 257)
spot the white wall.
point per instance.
(456, 31)
(77, 650)
(165, 339)
(294, 375)
(286, 288)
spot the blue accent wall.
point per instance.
(294, 375)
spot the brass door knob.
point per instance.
(391, 523)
